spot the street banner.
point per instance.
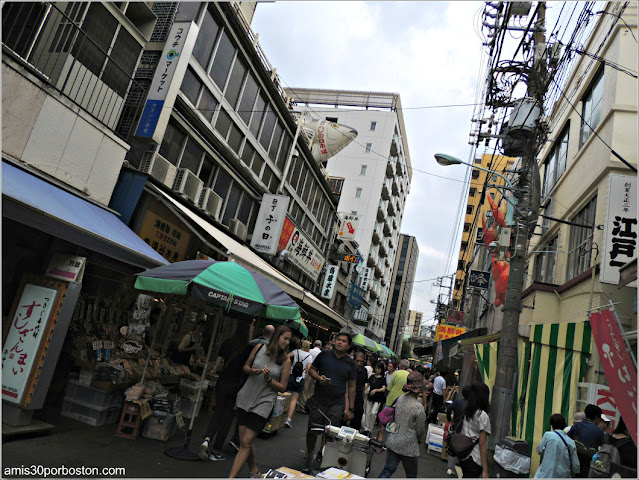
(448, 331)
(621, 373)
(455, 317)
(348, 227)
(479, 279)
(301, 252)
(620, 227)
(269, 223)
(329, 281)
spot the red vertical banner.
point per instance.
(618, 366)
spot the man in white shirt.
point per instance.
(309, 382)
(439, 387)
(317, 349)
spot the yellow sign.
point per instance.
(448, 331)
(165, 238)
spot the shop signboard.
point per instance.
(355, 295)
(365, 278)
(620, 227)
(300, 251)
(349, 258)
(66, 267)
(600, 395)
(269, 223)
(167, 81)
(329, 281)
(166, 238)
(455, 317)
(448, 331)
(618, 366)
(479, 279)
(23, 339)
(348, 226)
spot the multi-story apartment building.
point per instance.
(372, 175)
(401, 289)
(414, 327)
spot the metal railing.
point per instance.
(53, 46)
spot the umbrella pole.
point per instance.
(155, 336)
(183, 453)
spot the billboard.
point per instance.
(300, 251)
(348, 227)
(448, 331)
(329, 282)
(269, 223)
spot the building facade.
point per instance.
(372, 176)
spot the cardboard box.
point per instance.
(444, 452)
(441, 418)
(278, 415)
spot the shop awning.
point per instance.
(32, 201)
(245, 256)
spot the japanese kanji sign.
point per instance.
(301, 252)
(448, 331)
(66, 267)
(166, 238)
(455, 317)
(269, 223)
(479, 279)
(348, 227)
(23, 340)
(355, 295)
(364, 277)
(167, 80)
(618, 366)
(329, 282)
(620, 229)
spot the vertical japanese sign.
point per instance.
(618, 366)
(24, 338)
(167, 81)
(348, 227)
(329, 281)
(269, 223)
(301, 252)
(365, 278)
(620, 227)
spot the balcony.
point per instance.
(382, 209)
(378, 272)
(377, 234)
(394, 145)
(385, 191)
(387, 230)
(395, 187)
(390, 167)
(391, 209)
(382, 250)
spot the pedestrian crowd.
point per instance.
(337, 383)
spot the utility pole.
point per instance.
(503, 391)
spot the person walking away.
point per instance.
(439, 387)
(476, 425)
(374, 400)
(558, 451)
(264, 337)
(309, 383)
(410, 421)
(228, 365)
(334, 373)
(618, 455)
(190, 342)
(296, 379)
(268, 369)
(588, 437)
(361, 380)
(579, 416)
(397, 382)
(455, 415)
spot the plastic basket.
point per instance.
(85, 394)
(86, 413)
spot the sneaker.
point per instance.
(451, 473)
(288, 423)
(255, 475)
(203, 453)
(217, 456)
(235, 444)
(308, 466)
(319, 456)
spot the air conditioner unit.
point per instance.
(188, 184)
(210, 202)
(158, 167)
(238, 229)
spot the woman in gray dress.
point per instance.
(268, 368)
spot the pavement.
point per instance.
(74, 444)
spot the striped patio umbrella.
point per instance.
(365, 342)
(387, 352)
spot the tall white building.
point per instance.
(372, 177)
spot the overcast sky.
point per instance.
(429, 53)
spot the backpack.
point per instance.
(607, 462)
(298, 368)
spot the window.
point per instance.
(192, 156)
(191, 86)
(353, 212)
(248, 99)
(222, 62)
(478, 160)
(545, 262)
(172, 143)
(466, 227)
(368, 147)
(469, 209)
(358, 193)
(235, 138)
(231, 204)
(223, 123)
(555, 166)
(331, 119)
(475, 174)
(362, 170)
(472, 192)
(592, 106)
(187, 11)
(102, 26)
(207, 104)
(247, 153)
(235, 82)
(124, 56)
(205, 39)
(580, 243)
(373, 126)
(460, 265)
(267, 129)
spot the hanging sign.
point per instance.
(329, 281)
(448, 331)
(167, 81)
(479, 279)
(620, 229)
(365, 278)
(348, 227)
(620, 370)
(166, 238)
(455, 317)
(355, 295)
(269, 223)
(66, 267)
(300, 251)
(348, 258)
(24, 338)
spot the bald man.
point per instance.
(264, 338)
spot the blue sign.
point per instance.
(479, 279)
(149, 118)
(355, 295)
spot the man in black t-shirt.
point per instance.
(334, 373)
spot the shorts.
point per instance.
(295, 387)
(251, 420)
(334, 412)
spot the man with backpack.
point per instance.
(618, 455)
(588, 437)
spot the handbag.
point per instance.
(460, 446)
(567, 448)
(387, 415)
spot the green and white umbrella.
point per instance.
(365, 342)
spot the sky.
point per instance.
(430, 53)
